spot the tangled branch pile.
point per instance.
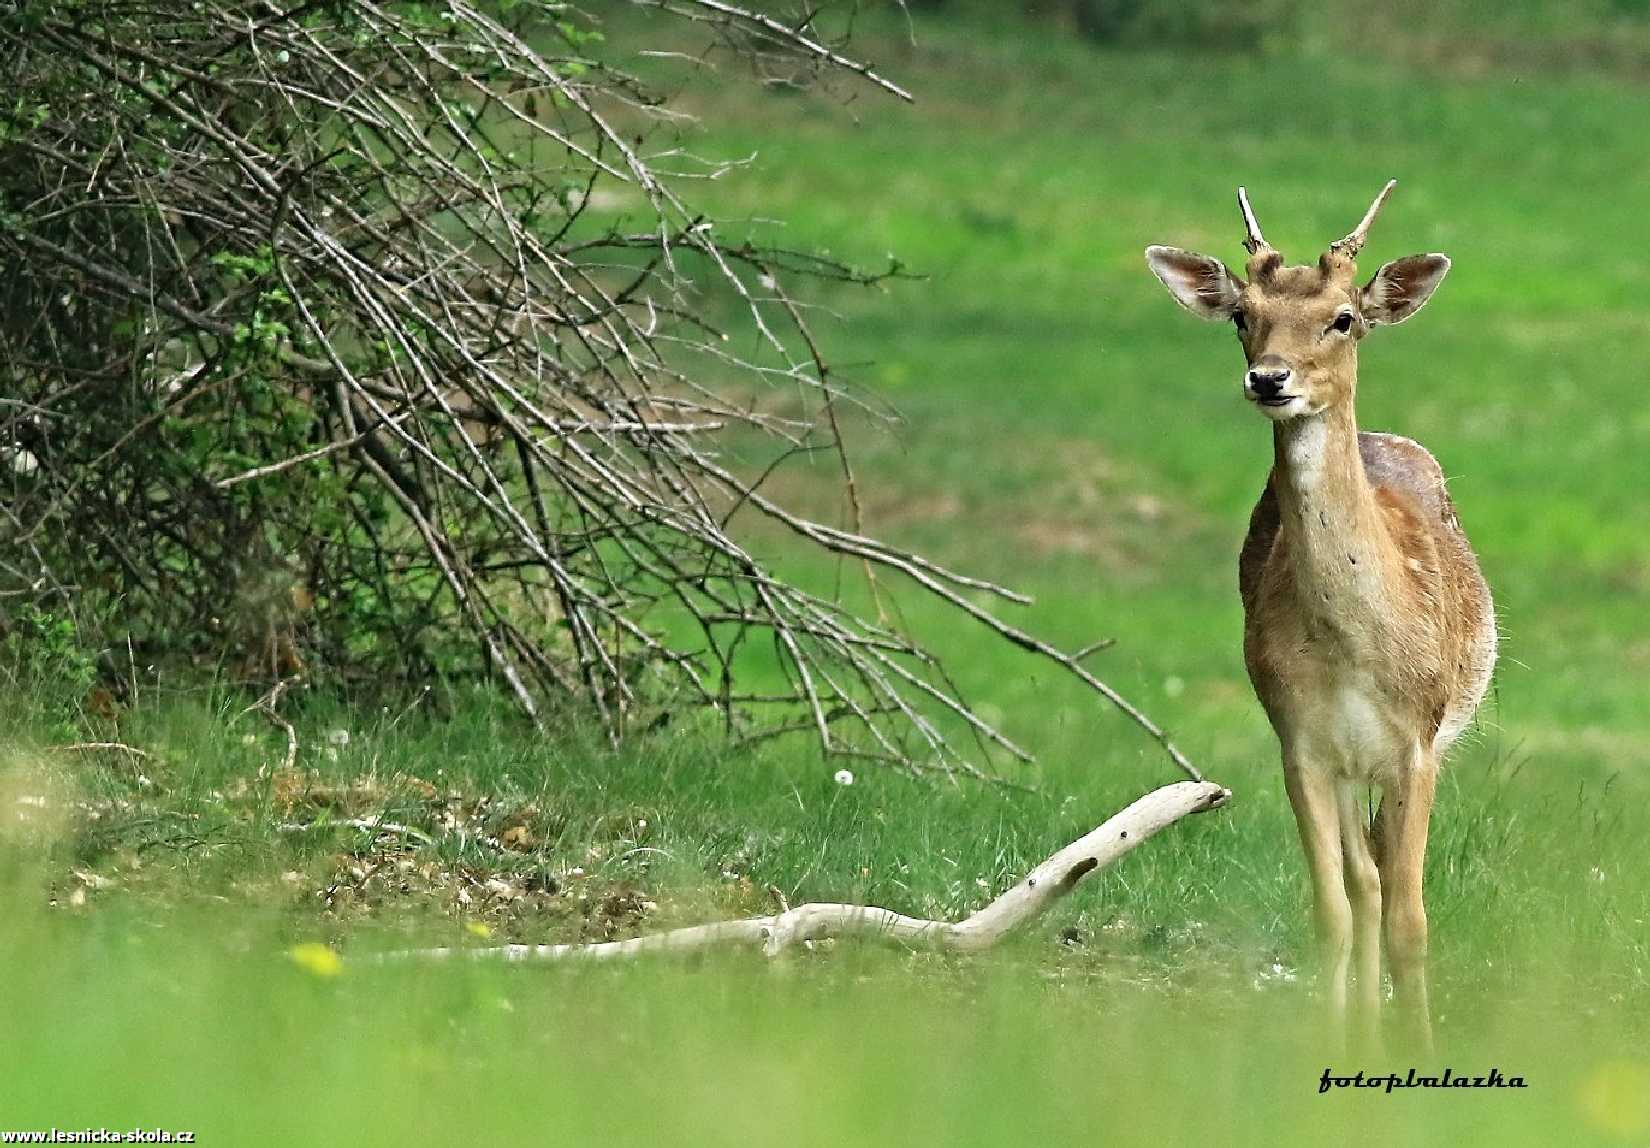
(374, 330)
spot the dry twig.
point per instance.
(266, 706)
(94, 746)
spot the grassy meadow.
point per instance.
(1066, 430)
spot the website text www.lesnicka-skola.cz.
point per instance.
(98, 1136)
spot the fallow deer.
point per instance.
(1369, 634)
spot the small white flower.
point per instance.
(249, 739)
(338, 737)
(844, 777)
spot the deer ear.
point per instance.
(1402, 287)
(1201, 285)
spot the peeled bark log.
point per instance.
(1028, 899)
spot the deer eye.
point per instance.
(1343, 322)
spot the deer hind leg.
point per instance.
(1406, 811)
(1312, 796)
(1363, 887)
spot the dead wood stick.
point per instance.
(266, 706)
(1028, 899)
(389, 828)
(87, 746)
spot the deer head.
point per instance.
(1300, 325)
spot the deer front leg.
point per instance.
(1406, 810)
(1363, 886)
(1312, 796)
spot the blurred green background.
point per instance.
(1066, 430)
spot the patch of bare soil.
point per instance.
(1100, 509)
(1086, 504)
(388, 847)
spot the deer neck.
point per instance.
(1334, 532)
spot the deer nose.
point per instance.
(1267, 382)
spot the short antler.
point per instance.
(1253, 239)
(1354, 241)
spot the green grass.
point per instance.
(1177, 1010)
(1069, 431)
(845, 1050)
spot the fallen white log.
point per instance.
(1029, 898)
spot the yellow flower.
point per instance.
(316, 958)
(476, 928)
(1615, 1097)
